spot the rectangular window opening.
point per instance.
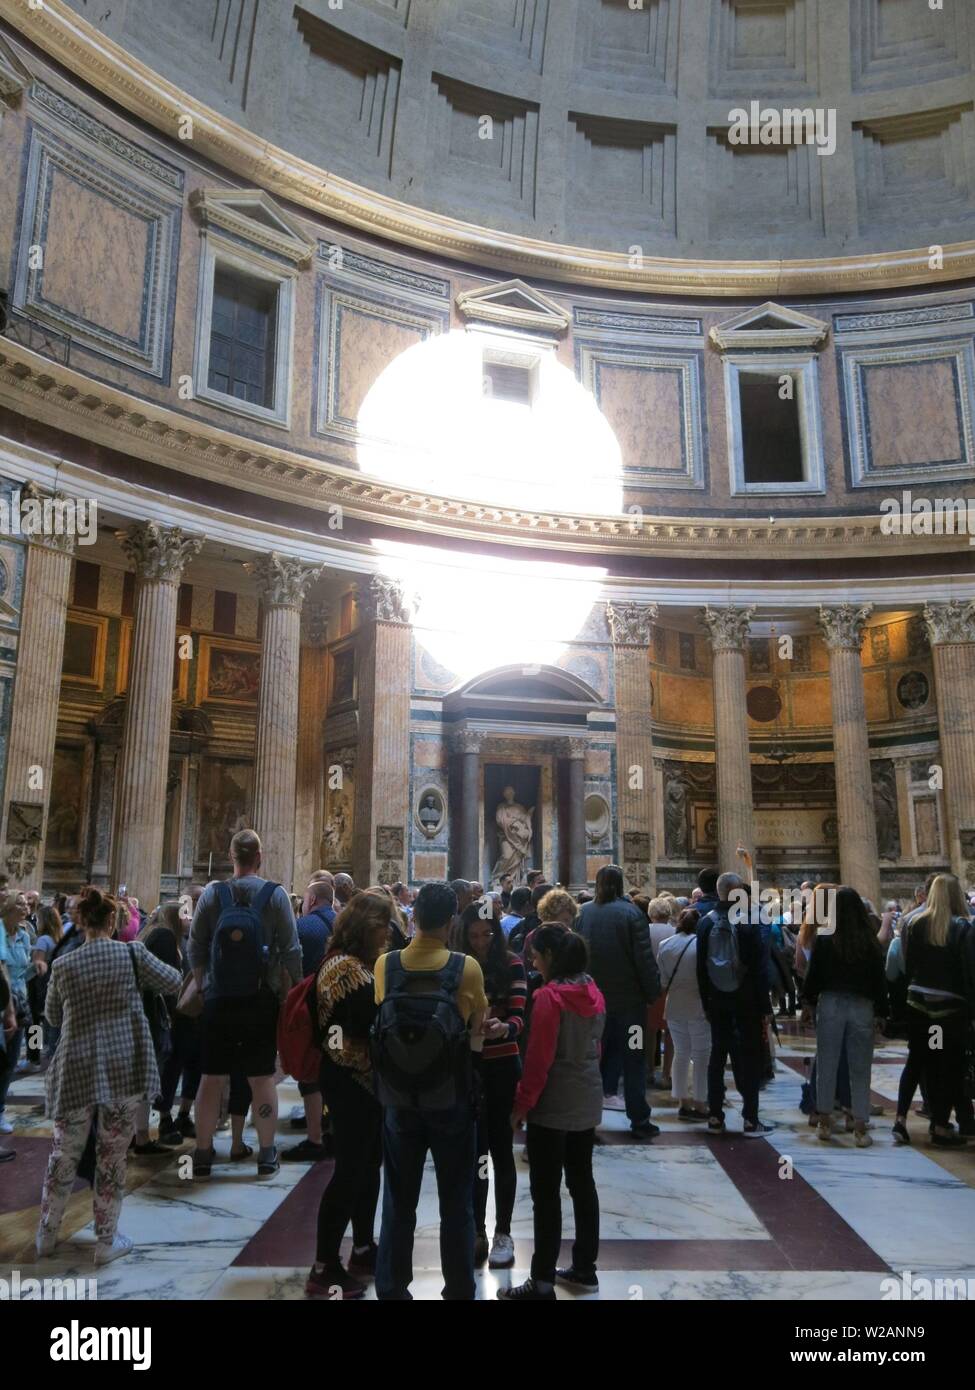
(771, 434)
(243, 337)
(510, 381)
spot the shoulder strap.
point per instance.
(453, 972)
(673, 973)
(225, 896)
(264, 896)
(395, 973)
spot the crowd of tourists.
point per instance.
(451, 1021)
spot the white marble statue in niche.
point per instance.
(514, 838)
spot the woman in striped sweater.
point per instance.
(480, 935)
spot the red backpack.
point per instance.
(299, 1039)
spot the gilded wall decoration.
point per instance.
(228, 673)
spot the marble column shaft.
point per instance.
(37, 690)
(310, 769)
(843, 628)
(951, 628)
(733, 769)
(467, 748)
(577, 814)
(631, 627)
(159, 555)
(282, 582)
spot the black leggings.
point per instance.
(353, 1191)
(499, 1080)
(182, 1062)
(941, 1069)
(549, 1151)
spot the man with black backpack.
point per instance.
(431, 1008)
(245, 955)
(732, 975)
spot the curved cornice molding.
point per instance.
(114, 72)
(56, 395)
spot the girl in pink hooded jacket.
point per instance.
(561, 1097)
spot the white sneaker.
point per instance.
(614, 1103)
(502, 1254)
(5, 1126)
(105, 1254)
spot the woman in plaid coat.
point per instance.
(104, 1064)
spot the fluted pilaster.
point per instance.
(631, 628)
(34, 711)
(843, 629)
(728, 629)
(282, 583)
(310, 770)
(159, 555)
(951, 628)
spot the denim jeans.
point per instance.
(620, 1059)
(844, 1020)
(408, 1135)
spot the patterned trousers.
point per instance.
(116, 1124)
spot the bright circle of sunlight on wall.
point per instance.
(475, 612)
(489, 418)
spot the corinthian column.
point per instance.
(282, 583)
(34, 712)
(631, 627)
(951, 628)
(843, 628)
(576, 751)
(728, 628)
(310, 770)
(159, 555)
(382, 784)
(466, 747)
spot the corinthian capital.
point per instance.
(631, 624)
(159, 552)
(728, 627)
(282, 581)
(843, 626)
(467, 741)
(384, 600)
(950, 622)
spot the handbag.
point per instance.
(189, 1001)
(157, 1016)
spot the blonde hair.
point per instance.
(945, 901)
(554, 903)
(8, 901)
(812, 914)
(663, 906)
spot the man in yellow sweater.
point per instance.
(448, 1134)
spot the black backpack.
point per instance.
(421, 1054)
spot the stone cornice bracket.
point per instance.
(631, 624)
(950, 622)
(843, 626)
(53, 539)
(728, 627)
(282, 581)
(467, 741)
(159, 552)
(383, 600)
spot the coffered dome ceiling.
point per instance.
(602, 123)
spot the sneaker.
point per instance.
(502, 1254)
(948, 1141)
(269, 1166)
(305, 1152)
(758, 1130)
(614, 1103)
(202, 1162)
(480, 1248)
(169, 1133)
(362, 1264)
(5, 1126)
(150, 1150)
(186, 1127)
(646, 1130)
(715, 1125)
(900, 1133)
(335, 1285)
(578, 1278)
(862, 1139)
(526, 1293)
(105, 1254)
(693, 1116)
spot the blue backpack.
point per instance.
(724, 965)
(238, 951)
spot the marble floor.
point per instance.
(686, 1217)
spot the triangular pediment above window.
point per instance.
(14, 77)
(514, 305)
(770, 326)
(256, 217)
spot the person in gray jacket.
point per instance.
(622, 964)
(560, 1096)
